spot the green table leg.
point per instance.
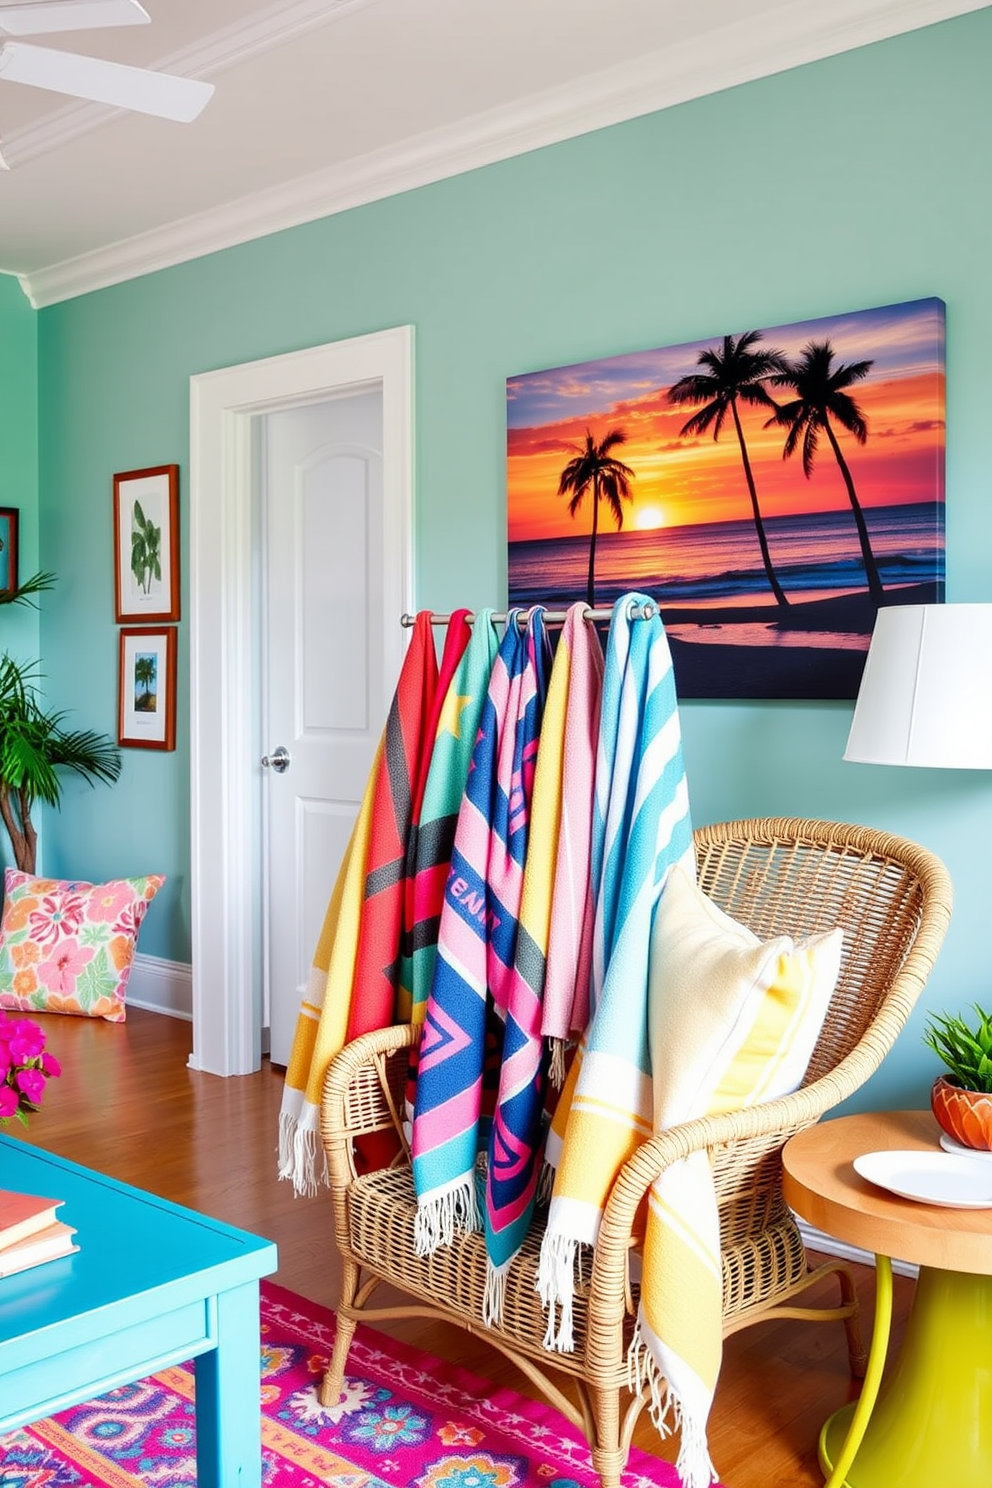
(932, 1424)
(860, 1412)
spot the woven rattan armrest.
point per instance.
(363, 1093)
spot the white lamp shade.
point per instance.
(926, 692)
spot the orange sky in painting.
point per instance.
(698, 480)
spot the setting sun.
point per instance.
(648, 517)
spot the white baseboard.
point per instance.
(161, 986)
(815, 1239)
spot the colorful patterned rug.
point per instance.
(404, 1420)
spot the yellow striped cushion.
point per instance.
(733, 1019)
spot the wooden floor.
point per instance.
(128, 1106)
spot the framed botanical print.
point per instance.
(146, 544)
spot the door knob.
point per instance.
(278, 760)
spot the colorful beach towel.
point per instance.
(407, 740)
(516, 1137)
(457, 725)
(643, 826)
(732, 1021)
(476, 938)
(456, 638)
(322, 1021)
(579, 665)
(516, 966)
(328, 1013)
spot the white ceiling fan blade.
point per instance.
(135, 88)
(43, 17)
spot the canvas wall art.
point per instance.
(769, 487)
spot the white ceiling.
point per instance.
(323, 104)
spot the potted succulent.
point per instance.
(961, 1100)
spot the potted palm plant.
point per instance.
(961, 1100)
(35, 746)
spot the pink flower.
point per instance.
(32, 1083)
(24, 1067)
(57, 915)
(131, 915)
(111, 901)
(59, 974)
(27, 1041)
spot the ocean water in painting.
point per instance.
(718, 565)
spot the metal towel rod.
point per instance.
(551, 617)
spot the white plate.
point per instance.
(955, 1181)
(949, 1145)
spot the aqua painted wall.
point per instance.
(19, 630)
(19, 454)
(854, 182)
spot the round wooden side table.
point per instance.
(928, 1422)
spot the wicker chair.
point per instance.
(893, 900)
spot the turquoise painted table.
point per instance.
(151, 1285)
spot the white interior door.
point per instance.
(324, 684)
(228, 407)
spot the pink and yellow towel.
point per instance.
(567, 761)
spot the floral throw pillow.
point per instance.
(67, 947)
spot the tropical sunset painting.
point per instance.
(770, 489)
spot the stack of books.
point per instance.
(30, 1233)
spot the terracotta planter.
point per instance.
(965, 1115)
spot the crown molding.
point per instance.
(735, 54)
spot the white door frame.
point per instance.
(224, 860)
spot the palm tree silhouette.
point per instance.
(736, 374)
(593, 466)
(820, 387)
(144, 675)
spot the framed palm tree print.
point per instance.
(770, 488)
(146, 544)
(146, 707)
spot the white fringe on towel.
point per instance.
(556, 1285)
(494, 1296)
(301, 1157)
(666, 1410)
(439, 1214)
